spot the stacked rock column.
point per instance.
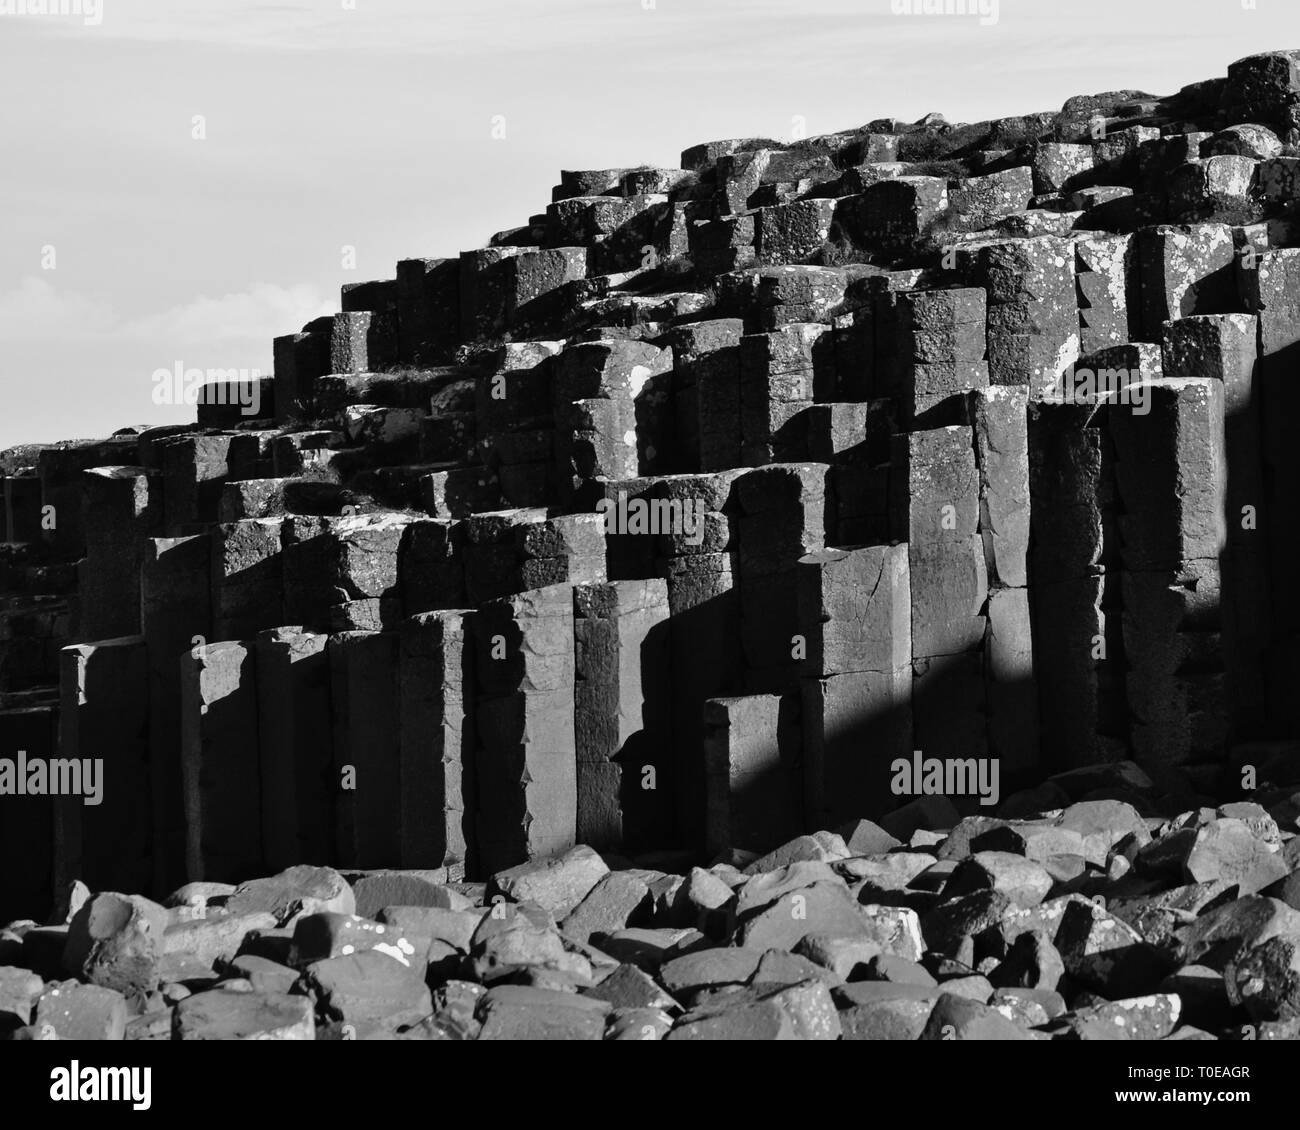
(1224, 347)
(524, 727)
(1270, 287)
(1170, 472)
(936, 503)
(857, 701)
(1074, 569)
(622, 714)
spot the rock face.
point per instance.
(830, 590)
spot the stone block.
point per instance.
(295, 728)
(1000, 426)
(176, 614)
(524, 731)
(1171, 473)
(622, 712)
(247, 579)
(854, 725)
(220, 762)
(1184, 271)
(104, 834)
(854, 606)
(754, 793)
(364, 696)
(436, 740)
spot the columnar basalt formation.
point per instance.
(877, 547)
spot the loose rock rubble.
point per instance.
(939, 937)
(837, 589)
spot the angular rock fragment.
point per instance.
(368, 991)
(258, 1015)
(1023, 881)
(1134, 1018)
(557, 885)
(515, 1012)
(956, 1018)
(710, 968)
(116, 941)
(20, 989)
(1104, 952)
(81, 1012)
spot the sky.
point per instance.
(188, 179)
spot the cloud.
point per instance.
(450, 30)
(263, 311)
(36, 309)
(315, 25)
